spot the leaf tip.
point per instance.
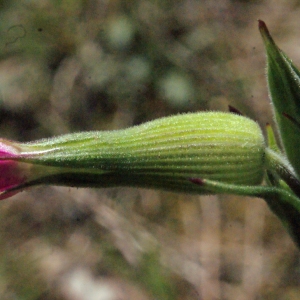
(262, 25)
(264, 31)
(234, 110)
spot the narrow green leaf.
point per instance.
(284, 87)
(271, 139)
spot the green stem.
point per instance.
(284, 204)
(277, 164)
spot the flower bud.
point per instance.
(161, 154)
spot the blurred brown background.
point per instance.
(75, 65)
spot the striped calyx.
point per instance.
(162, 154)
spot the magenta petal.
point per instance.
(7, 149)
(7, 195)
(12, 174)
